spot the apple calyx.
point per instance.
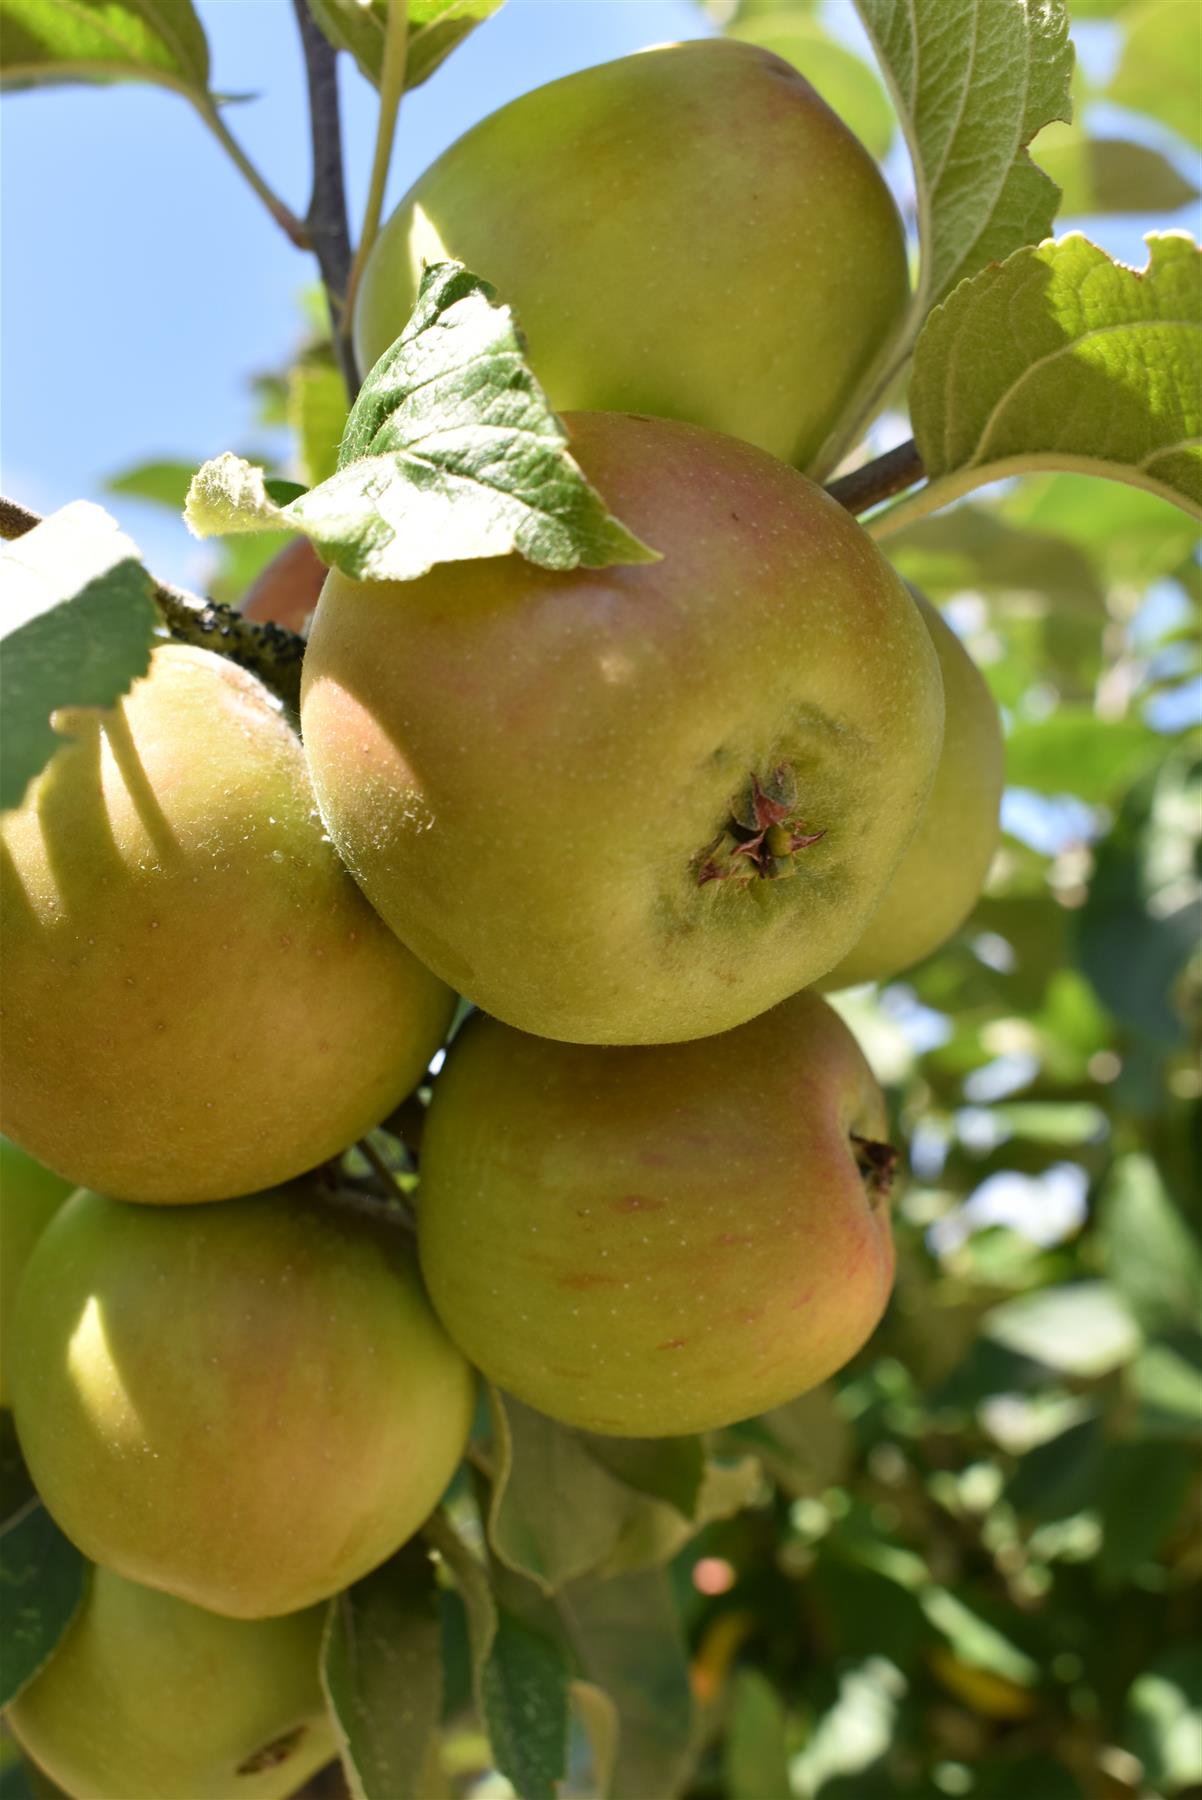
(762, 835)
(877, 1164)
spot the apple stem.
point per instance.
(878, 480)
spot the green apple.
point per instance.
(148, 1698)
(689, 232)
(636, 804)
(651, 1241)
(940, 877)
(198, 1002)
(247, 1405)
(29, 1198)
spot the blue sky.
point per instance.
(142, 281)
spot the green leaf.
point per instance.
(627, 1637)
(76, 629)
(1109, 175)
(843, 79)
(382, 1675)
(1059, 1478)
(1157, 73)
(451, 452)
(435, 28)
(756, 1755)
(1076, 752)
(317, 411)
(615, 1522)
(1084, 1329)
(1166, 1380)
(1142, 1491)
(1061, 358)
(161, 481)
(1163, 1724)
(972, 546)
(104, 40)
(42, 1579)
(1149, 1252)
(1130, 536)
(524, 1692)
(973, 85)
(974, 1640)
(669, 1469)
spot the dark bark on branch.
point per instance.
(326, 220)
(268, 651)
(878, 480)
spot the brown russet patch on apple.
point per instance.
(672, 1344)
(273, 1754)
(631, 1203)
(585, 1278)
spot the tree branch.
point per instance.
(268, 651)
(326, 220)
(879, 479)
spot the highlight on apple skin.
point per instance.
(634, 804)
(651, 1242)
(248, 1405)
(689, 232)
(171, 904)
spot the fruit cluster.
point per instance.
(635, 815)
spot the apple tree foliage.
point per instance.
(969, 1563)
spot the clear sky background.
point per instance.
(143, 284)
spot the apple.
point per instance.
(148, 1698)
(652, 1241)
(246, 1405)
(940, 877)
(634, 804)
(689, 232)
(286, 591)
(198, 1001)
(29, 1198)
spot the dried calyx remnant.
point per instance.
(877, 1164)
(761, 838)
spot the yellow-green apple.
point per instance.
(286, 591)
(634, 804)
(198, 1001)
(689, 232)
(149, 1698)
(941, 875)
(248, 1405)
(651, 1241)
(29, 1198)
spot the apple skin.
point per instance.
(29, 1198)
(198, 1001)
(689, 232)
(148, 1698)
(286, 591)
(940, 877)
(247, 1405)
(527, 770)
(654, 1241)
